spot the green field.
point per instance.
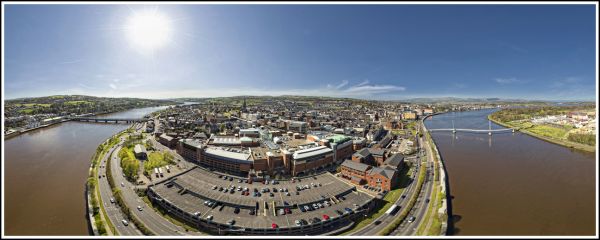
(554, 134)
(558, 132)
(76, 102)
(157, 159)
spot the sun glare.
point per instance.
(148, 30)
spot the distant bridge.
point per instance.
(107, 120)
(489, 130)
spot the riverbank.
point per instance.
(563, 143)
(20, 132)
(444, 212)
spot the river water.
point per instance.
(512, 183)
(45, 172)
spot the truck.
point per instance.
(392, 210)
(168, 169)
(156, 172)
(160, 171)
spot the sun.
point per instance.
(148, 30)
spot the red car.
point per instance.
(325, 217)
(273, 225)
(288, 211)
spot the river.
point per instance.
(512, 183)
(45, 171)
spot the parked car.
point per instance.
(139, 208)
(112, 200)
(209, 217)
(237, 210)
(125, 222)
(281, 211)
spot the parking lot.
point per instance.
(193, 195)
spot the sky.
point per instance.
(379, 52)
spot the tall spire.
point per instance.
(244, 105)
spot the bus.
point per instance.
(156, 172)
(392, 210)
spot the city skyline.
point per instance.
(387, 52)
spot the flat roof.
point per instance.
(192, 142)
(226, 140)
(240, 156)
(311, 152)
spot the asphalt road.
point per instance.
(115, 215)
(152, 220)
(421, 206)
(386, 219)
(418, 211)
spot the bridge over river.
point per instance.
(107, 120)
(489, 130)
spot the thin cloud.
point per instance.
(112, 85)
(365, 82)
(71, 62)
(372, 89)
(506, 80)
(341, 85)
(85, 86)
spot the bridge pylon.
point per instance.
(453, 128)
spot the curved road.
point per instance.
(115, 215)
(152, 220)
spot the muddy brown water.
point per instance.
(514, 184)
(45, 172)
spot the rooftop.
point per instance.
(233, 155)
(311, 152)
(356, 165)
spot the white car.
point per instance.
(125, 222)
(122, 184)
(139, 208)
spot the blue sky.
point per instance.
(365, 51)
